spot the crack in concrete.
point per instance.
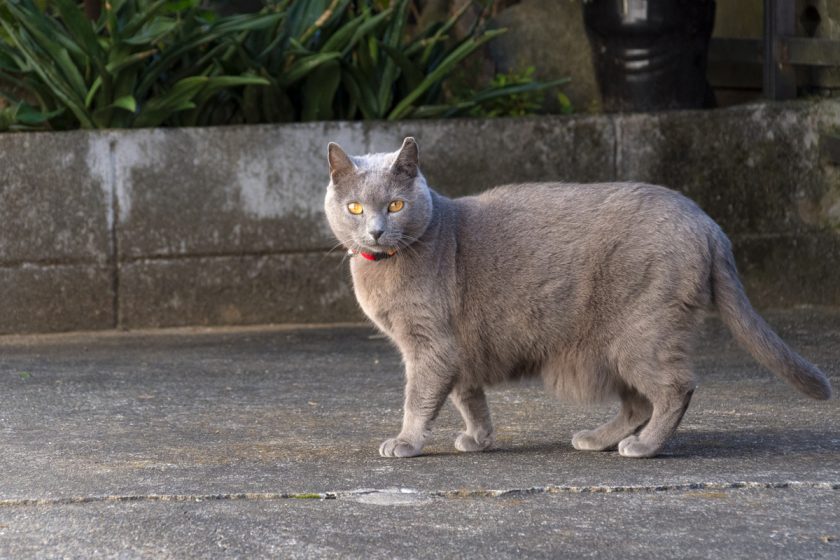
(116, 258)
(445, 494)
(155, 257)
(113, 234)
(250, 496)
(628, 489)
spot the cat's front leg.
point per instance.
(472, 404)
(429, 380)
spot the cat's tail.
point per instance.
(753, 334)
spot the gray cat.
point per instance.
(597, 288)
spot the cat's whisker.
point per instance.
(407, 242)
(339, 245)
(333, 249)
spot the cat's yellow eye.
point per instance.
(355, 208)
(396, 206)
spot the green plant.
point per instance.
(141, 64)
(21, 116)
(339, 59)
(172, 63)
(358, 60)
(510, 94)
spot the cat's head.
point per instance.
(378, 202)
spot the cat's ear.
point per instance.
(407, 160)
(340, 162)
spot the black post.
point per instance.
(650, 55)
(779, 25)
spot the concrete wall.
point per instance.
(225, 226)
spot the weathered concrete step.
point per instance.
(226, 225)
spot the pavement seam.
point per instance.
(629, 489)
(448, 494)
(84, 337)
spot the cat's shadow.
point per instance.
(750, 443)
(709, 444)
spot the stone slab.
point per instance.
(236, 290)
(467, 156)
(50, 298)
(55, 202)
(255, 194)
(754, 169)
(790, 270)
(261, 189)
(221, 191)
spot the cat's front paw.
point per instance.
(588, 440)
(478, 442)
(633, 446)
(396, 447)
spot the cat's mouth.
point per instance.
(381, 251)
(373, 252)
(378, 248)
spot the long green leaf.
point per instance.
(412, 74)
(319, 92)
(160, 108)
(303, 15)
(464, 50)
(31, 116)
(370, 25)
(341, 38)
(115, 66)
(390, 71)
(249, 22)
(71, 72)
(441, 110)
(216, 83)
(94, 88)
(22, 116)
(136, 22)
(152, 32)
(127, 103)
(306, 65)
(440, 34)
(81, 29)
(325, 18)
(361, 92)
(494, 93)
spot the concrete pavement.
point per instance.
(262, 442)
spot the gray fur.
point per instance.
(597, 288)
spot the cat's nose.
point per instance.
(375, 233)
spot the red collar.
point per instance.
(374, 256)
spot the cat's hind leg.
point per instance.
(635, 411)
(653, 357)
(670, 400)
(472, 404)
